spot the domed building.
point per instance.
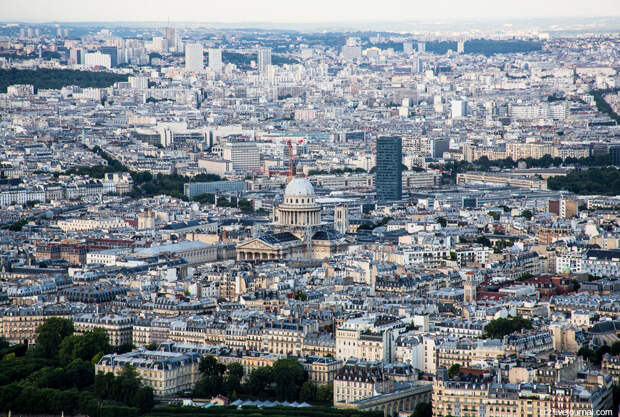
(299, 210)
(297, 229)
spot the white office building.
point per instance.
(139, 82)
(193, 57)
(243, 155)
(264, 59)
(215, 60)
(97, 59)
(459, 109)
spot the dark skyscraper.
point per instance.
(113, 52)
(389, 171)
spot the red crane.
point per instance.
(290, 160)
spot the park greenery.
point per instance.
(455, 369)
(494, 214)
(370, 225)
(16, 226)
(502, 244)
(58, 375)
(604, 181)
(603, 106)
(145, 184)
(313, 172)
(450, 169)
(484, 241)
(254, 411)
(300, 296)
(595, 355)
(498, 328)
(546, 161)
(244, 60)
(285, 380)
(44, 78)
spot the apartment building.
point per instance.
(118, 328)
(473, 398)
(19, 324)
(75, 225)
(358, 380)
(168, 373)
(468, 353)
(611, 366)
(322, 369)
(369, 338)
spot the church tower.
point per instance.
(469, 287)
(341, 218)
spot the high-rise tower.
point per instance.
(388, 170)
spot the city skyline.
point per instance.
(413, 219)
(318, 12)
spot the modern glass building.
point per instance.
(388, 170)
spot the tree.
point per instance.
(594, 355)
(325, 394)
(127, 385)
(50, 335)
(484, 241)
(212, 381)
(244, 205)
(232, 382)
(144, 399)
(386, 220)
(527, 214)
(210, 366)
(422, 409)
(95, 360)
(501, 327)
(85, 346)
(308, 392)
(301, 296)
(455, 369)
(288, 375)
(494, 215)
(18, 225)
(442, 221)
(604, 181)
(80, 373)
(124, 348)
(525, 276)
(259, 381)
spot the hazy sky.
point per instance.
(306, 11)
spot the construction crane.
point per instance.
(290, 160)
